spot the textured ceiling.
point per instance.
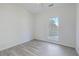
(40, 7)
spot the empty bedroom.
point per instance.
(39, 29)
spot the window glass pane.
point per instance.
(53, 26)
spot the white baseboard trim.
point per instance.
(77, 51)
(56, 43)
(11, 44)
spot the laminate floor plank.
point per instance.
(39, 48)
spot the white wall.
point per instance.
(67, 21)
(77, 30)
(15, 25)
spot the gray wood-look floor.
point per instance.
(39, 48)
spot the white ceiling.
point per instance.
(39, 7)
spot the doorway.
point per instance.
(54, 29)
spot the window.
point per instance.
(54, 26)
